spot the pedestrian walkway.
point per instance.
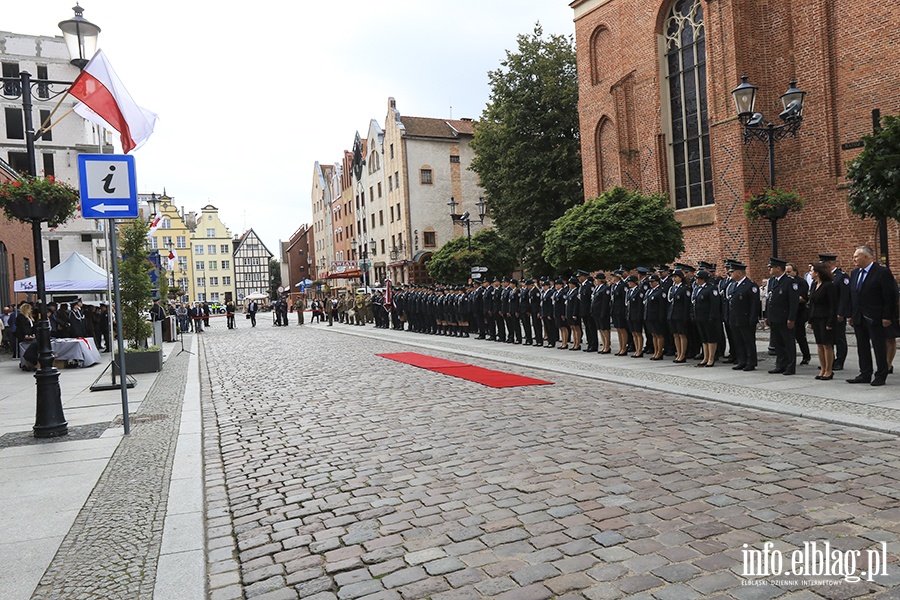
(834, 401)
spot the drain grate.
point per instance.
(134, 419)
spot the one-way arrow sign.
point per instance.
(479, 269)
(108, 186)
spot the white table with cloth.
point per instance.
(81, 351)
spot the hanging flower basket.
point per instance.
(38, 199)
(772, 203)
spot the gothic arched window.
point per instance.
(685, 75)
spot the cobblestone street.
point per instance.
(346, 475)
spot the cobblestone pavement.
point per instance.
(345, 475)
(112, 549)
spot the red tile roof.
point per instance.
(436, 128)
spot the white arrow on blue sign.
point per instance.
(108, 186)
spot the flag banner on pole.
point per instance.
(173, 258)
(388, 296)
(106, 102)
(154, 224)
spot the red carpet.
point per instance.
(488, 377)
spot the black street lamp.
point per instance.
(465, 218)
(755, 128)
(81, 39)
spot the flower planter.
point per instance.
(778, 213)
(34, 211)
(142, 361)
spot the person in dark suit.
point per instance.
(655, 308)
(665, 282)
(802, 313)
(707, 309)
(559, 312)
(872, 294)
(842, 285)
(600, 311)
(783, 298)
(634, 311)
(573, 313)
(588, 325)
(679, 314)
(551, 330)
(743, 317)
(823, 301)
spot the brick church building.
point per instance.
(657, 114)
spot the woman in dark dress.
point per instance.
(655, 316)
(24, 325)
(634, 314)
(823, 300)
(573, 318)
(618, 291)
(707, 315)
(679, 314)
(559, 313)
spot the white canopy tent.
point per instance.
(76, 274)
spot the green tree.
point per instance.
(527, 147)
(135, 288)
(163, 284)
(875, 174)
(620, 226)
(274, 277)
(452, 263)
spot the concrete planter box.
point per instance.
(147, 361)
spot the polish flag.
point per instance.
(388, 296)
(154, 224)
(173, 258)
(106, 102)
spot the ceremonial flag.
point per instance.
(388, 296)
(154, 224)
(105, 101)
(173, 258)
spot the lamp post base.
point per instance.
(49, 419)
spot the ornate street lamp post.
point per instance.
(465, 219)
(81, 38)
(754, 128)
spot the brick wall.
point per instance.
(842, 53)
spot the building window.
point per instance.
(397, 179)
(210, 232)
(181, 241)
(213, 264)
(226, 264)
(382, 246)
(392, 214)
(373, 220)
(226, 281)
(154, 243)
(425, 176)
(15, 124)
(199, 249)
(390, 179)
(199, 265)
(182, 263)
(379, 189)
(11, 88)
(49, 168)
(43, 89)
(398, 211)
(223, 249)
(19, 162)
(166, 241)
(213, 281)
(429, 238)
(392, 151)
(45, 120)
(685, 74)
(166, 223)
(381, 217)
(454, 159)
(211, 249)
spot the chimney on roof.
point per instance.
(392, 104)
(469, 119)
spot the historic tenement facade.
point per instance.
(655, 82)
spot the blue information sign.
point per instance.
(108, 186)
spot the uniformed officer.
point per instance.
(655, 306)
(600, 298)
(842, 283)
(679, 314)
(708, 316)
(588, 325)
(665, 282)
(549, 320)
(634, 313)
(537, 323)
(559, 312)
(497, 310)
(618, 291)
(743, 317)
(525, 310)
(802, 313)
(783, 297)
(573, 313)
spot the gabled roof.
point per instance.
(245, 236)
(436, 128)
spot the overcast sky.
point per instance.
(251, 94)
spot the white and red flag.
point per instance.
(388, 296)
(173, 258)
(106, 102)
(154, 224)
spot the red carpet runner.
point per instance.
(488, 377)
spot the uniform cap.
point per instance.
(678, 273)
(701, 274)
(600, 276)
(777, 262)
(643, 270)
(560, 281)
(827, 257)
(663, 268)
(654, 277)
(573, 279)
(632, 278)
(703, 264)
(619, 272)
(738, 266)
(528, 282)
(582, 273)
(685, 267)
(514, 280)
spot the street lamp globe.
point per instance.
(372, 246)
(452, 204)
(792, 100)
(482, 208)
(80, 36)
(744, 97)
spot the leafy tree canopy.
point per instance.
(527, 147)
(619, 227)
(274, 277)
(135, 288)
(875, 174)
(452, 263)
